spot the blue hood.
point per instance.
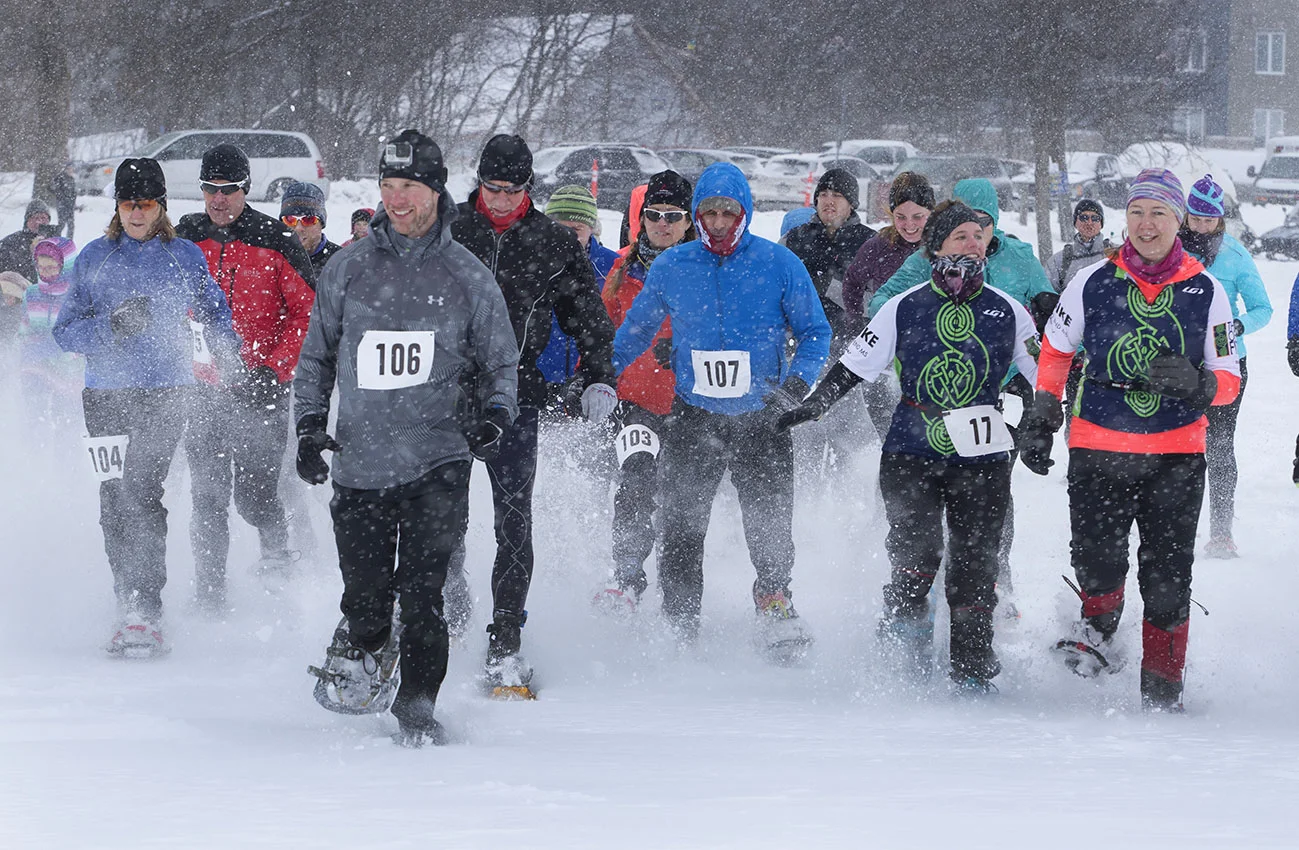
(723, 179)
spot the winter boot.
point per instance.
(623, 594)
(781, 635)
(1221, 547)
(210, 593)
(974, 663)
(906, 634)
(359, 677)
(506, 675)
(414, 738)
(1088, 652)
(137, 638)
(1163, 660)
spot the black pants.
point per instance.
(1220, 454)
(636, 498)
(398, 541)
(1162, 494)
(698, 449)
(918, 493)
(231, 446)
(130, 508)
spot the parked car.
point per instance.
(1091, 175)
(884, 154)
(945, 171)
(275, 158)
(762, 153)
(623, 167)
(691, 162)
(788, 180)
(1277, 182)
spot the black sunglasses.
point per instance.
(222, 188)
(670, 216)
(983, 219)
(509, 190)
(1094, 219)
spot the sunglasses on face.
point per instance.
(304, 220)
(494, 189)
(670, 216)
(1089, 218)
(983, 219)
(145, 204)
(222, 188)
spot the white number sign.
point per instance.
(978, 430)
(202, 354)
(391, 360)
(721, 374)
(107, 456)
(633, 439)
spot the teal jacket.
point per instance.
(1012, 266)
(1235, 270)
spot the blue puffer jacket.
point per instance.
(1235, 270)
(174, 275)
(748, 301)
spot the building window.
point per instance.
(1188, 124)
(1269, 53)
(1192, 48)
(1268, 123)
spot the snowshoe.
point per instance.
(972, 686)
(508, 678)
(614, 602)
(137, 639)
(417, 738)
(1221, 548)
(1088, 653)
(277, 568)
(355, 680)
(781, 635)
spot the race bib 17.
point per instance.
(978, 430)
(391, 360)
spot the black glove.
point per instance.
(484, 438)
(262, 388)
(312, 441)
(130, 318)
(1041, 308)
(784, 398)
(1295, 474)
(1035, 435)
(663, 353)
(1292, 354)
(1171, 374)
(1238, 327)
(834, 386)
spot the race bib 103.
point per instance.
(633, 439)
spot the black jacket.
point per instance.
(324, 251)
(542, 269)
(16, 253)
(827, 259)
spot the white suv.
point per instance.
(275, 159)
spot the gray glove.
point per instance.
(598, 401)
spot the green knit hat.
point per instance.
(573, 203)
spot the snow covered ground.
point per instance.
(634, 743)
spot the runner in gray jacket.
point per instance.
(415, 333)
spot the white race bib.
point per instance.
(391, 360)
(633, 439)
(202, 354)
(978, 430)
(107, 456)
(721, 374)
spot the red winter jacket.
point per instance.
(267, 278)
(644, 381)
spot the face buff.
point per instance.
(959, 276)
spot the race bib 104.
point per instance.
(107, 456)
(721, 374)
(978, 430)
(391, 360)
(633, 439)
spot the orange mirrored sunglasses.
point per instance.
(304, 220)
(146, 204)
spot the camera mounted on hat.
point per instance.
(414, 156)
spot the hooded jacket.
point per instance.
(1012, 266)
(746, 301)
(643, 382)
(1234, 268)
(394, 436)
(266, 276)
(174, 276)
(541, 269)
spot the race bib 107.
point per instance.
(391, 360)
(721, 374)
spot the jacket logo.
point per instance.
(1193, 290)
(996, 314)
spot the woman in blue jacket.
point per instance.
(1203, 235)
(129, 312)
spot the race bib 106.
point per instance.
(391, 360)
(107, 456)
(633, 439)
(978, 430)
(721, 374)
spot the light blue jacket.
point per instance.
(752, 300)
(174, 275)
(1235, 270)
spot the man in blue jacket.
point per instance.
(734, 299)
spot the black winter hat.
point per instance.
(225, 162)
(913, 187)
(946, 218)
(506, 158)
(837, 180)
(414, 156)
(1088, 205)
(140, 180)
(668, 187)
(36, 207)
